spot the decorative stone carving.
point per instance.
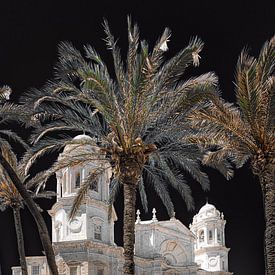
(213, 261)
(75, 225)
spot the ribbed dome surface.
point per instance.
(207, 207)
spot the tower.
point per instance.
(210, 250)
(81, 241)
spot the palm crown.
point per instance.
(247, 131)
(139, 114)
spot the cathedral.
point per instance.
(85, 245)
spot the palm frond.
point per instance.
(154, 178)
(143, 196)
(14, 137)
(175, 67)
(86, 184)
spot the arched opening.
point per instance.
(73, 270)
(94, 186)
(97, 228)
(201, 236)
(77, 179)
(35, 270)
(219, 236)
(98, 232)
(210, 235)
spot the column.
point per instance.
(216, 236)
(58, 187)
(223, 238)
(205, 235)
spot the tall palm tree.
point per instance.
(246, 132)
(9, 111)
(9, 197)
(136, 118)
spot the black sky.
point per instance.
(29, 34)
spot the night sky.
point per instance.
(29, 34)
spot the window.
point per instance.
(77, 180)
(73, 270)
(223, 265)
(219, 235)
(16, 271)
(35, 270)
(201, 236)
(94, 186)
(100, 271)
(97, 231)
(210, 235)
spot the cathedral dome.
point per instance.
(83, 137)
(206, 212)
(207, 207)
(82, 143)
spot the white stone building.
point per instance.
(85, 245)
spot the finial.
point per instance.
(206, 200)
(173, 215)
(154, 215)
(222, 216)
(138, 216)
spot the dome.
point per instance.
(83, 137)
(208, 211)
(207, 208)
(79, 139)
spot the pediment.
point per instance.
(176, 227)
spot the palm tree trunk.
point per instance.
(129, 190)
(42, 228)
(20, 239)
(268, 189)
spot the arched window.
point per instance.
(73, 270)
(94, 186)
(98, 232)
(35, 270)
(210, 235)
(77, 179)
(201, 236)
(219, 235)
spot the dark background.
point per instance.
(29, 34)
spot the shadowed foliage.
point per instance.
(135, 117)
(13, 192)
(9, 197)
(236, 134)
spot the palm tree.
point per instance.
(246, 132)
(9, 111)
(9, 197)
(136, 118)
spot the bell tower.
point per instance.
(91, 221)
(210, 250)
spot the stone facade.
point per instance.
(85, 245)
